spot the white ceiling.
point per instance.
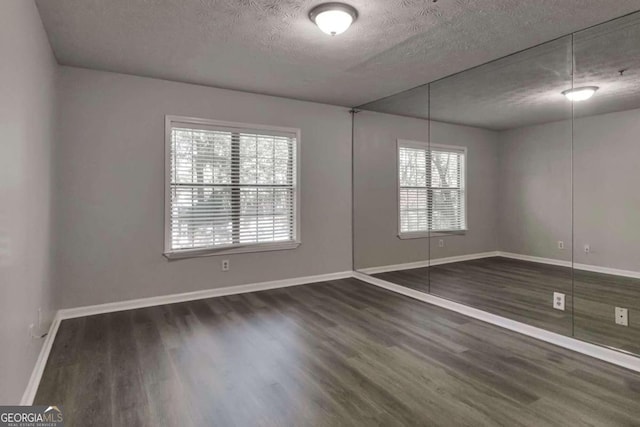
(526, 88)
(270, 46)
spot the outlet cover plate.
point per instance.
(622, 316)
(558, 301)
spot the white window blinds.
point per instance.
(432, 188)
(230, 186)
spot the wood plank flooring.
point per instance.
(523, 291)
(596, 296)
(337, 353)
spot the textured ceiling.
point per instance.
(525, 88)
(270, 46)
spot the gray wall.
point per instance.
(482, 190)
(376, 239)
(375, 182)
(27, 78)
(535, 190)
(606, 190)
(110, 187)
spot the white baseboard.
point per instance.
(602, 353)
(41, 362)
(394, 267)
(530, 258)
(427, 263)
(576, 266)
(537, 259)
(459, 258)
(69, 313)
(607, 270)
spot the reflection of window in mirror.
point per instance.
(431, 193)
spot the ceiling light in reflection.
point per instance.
(580, 93)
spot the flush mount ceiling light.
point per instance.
(333, 18)
(580, 93)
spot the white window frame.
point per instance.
(428, 147)
(235, 248)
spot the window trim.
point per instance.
(425, 145)
(234, 248)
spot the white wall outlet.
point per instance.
(225, 265)
(587, 249)
(622, 316)
(558, 301)
(560, 244)
(441, 243)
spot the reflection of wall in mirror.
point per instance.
(376, 240)
(605, 190)
(519, 190)
(535, 190)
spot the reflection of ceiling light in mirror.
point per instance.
(580, 93)
(333, 18)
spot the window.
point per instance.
(431, 188)
(230, 187)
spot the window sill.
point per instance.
(407, 236)
(449, 233)
(259, 247)
(424, 235)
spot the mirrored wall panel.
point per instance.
(501, 176)
(512, 187)
(606, 184)
(391, 231)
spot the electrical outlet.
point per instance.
(587, 249)
(560, 244)
(558, 301)
(622, 316)
(225, 265)
(441, 243)
(31, 334)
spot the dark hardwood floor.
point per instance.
(523, 291)
(327, 354)
(596, 296)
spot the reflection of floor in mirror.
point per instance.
(523, 291)
(596, 296)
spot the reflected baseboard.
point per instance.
(576, 266)
(530, 258)
(426, 263)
